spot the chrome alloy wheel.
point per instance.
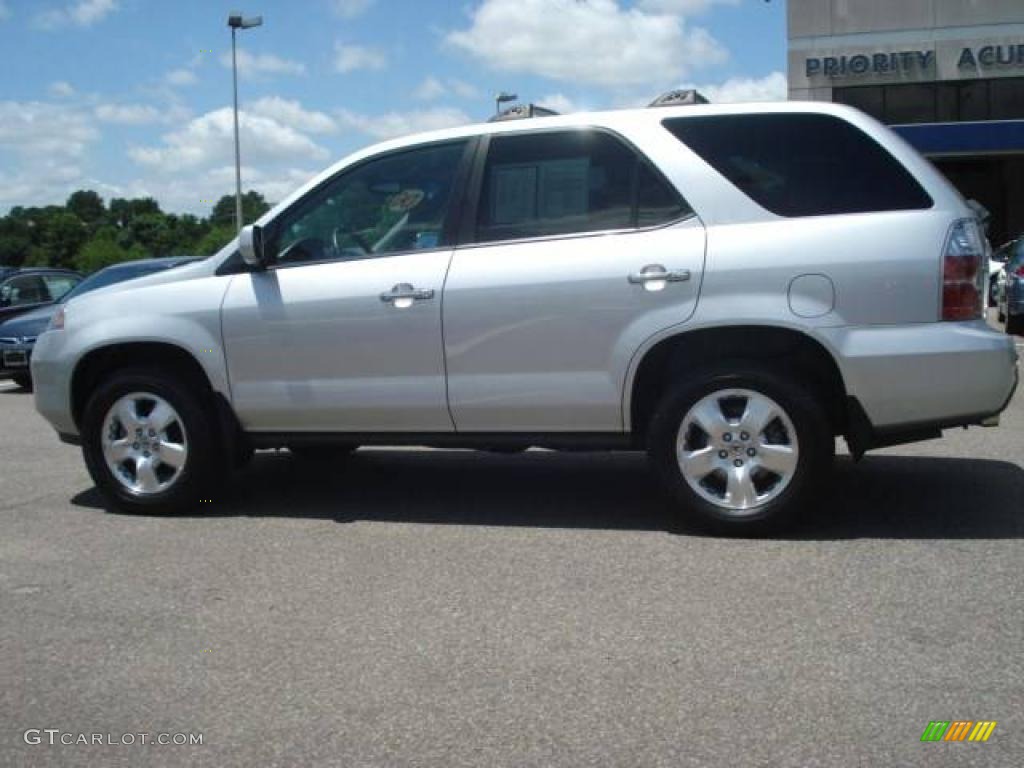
(144, 443)
(737, 449)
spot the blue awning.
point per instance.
(965, 138)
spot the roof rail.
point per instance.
(678, 98)
(522, 112)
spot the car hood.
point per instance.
(30, 323)
(182, 272)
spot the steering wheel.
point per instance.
(342, 230)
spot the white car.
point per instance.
(725, 287)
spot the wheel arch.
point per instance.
(788, 349)
(99, 362)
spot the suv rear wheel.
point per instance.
(148, 443)
(741, 449)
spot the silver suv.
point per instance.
(725, 287)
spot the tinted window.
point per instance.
(59, 285)
(802, 165)
(657, 200)
(387, 205)
(557, 183)
(21, 290)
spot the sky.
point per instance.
(132, 98)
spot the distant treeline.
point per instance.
(86, 234)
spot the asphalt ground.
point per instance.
(450, 608)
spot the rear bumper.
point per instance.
(928, 375)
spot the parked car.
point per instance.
(26, 289)
(996, 265)
(664, 279)
(1011, 291)
(18, 335)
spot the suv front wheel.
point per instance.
(741, 449)
(148, 444)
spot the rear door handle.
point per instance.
(404, 294)
(653, 273)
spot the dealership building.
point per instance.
(948, 75)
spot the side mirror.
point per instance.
(250, 245)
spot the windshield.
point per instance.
(117, 274)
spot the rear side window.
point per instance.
(564, 182)
(802, 164)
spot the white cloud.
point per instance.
(560, 103)
(83, 13)
(464, 90)
(61, 88)
(682, 7)
(292, 114)
(198, 190)
(771, 87)
(431, 88)
(349, 58)
(263, 64)
(349, 9)
(5, 12)
(129, 114)
(598, 42)
(43, 183)
(394, 124)
(179, 77)
(38, 129)
(209, 139)
(41, 145)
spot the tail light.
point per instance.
(1019, 271)
(962, 279)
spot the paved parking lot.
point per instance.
(462, 609)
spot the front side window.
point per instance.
(565, 182)
(802, 164)
(26, 289)
(391, 204)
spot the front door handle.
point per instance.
(403, 295)
(655, 273)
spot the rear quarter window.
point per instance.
(802, 164)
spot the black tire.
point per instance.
(1015, 325)
(23, 380)
(1001, 317)
(205, 466)
(322, 454)
(993, 290)
(816, 449)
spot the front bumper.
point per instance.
(926, 374)
(51, 382)
(15, 359)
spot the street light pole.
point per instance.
(236, 22)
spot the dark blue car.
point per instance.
(18, 335)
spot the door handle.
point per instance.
(405, 294)
(656, 273)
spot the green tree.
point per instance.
(63, 235)
(254, 205)
(215, 239)
(103, 250)
(87, 206)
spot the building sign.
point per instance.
(914, 63)
(900, 62)
(988, 56)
